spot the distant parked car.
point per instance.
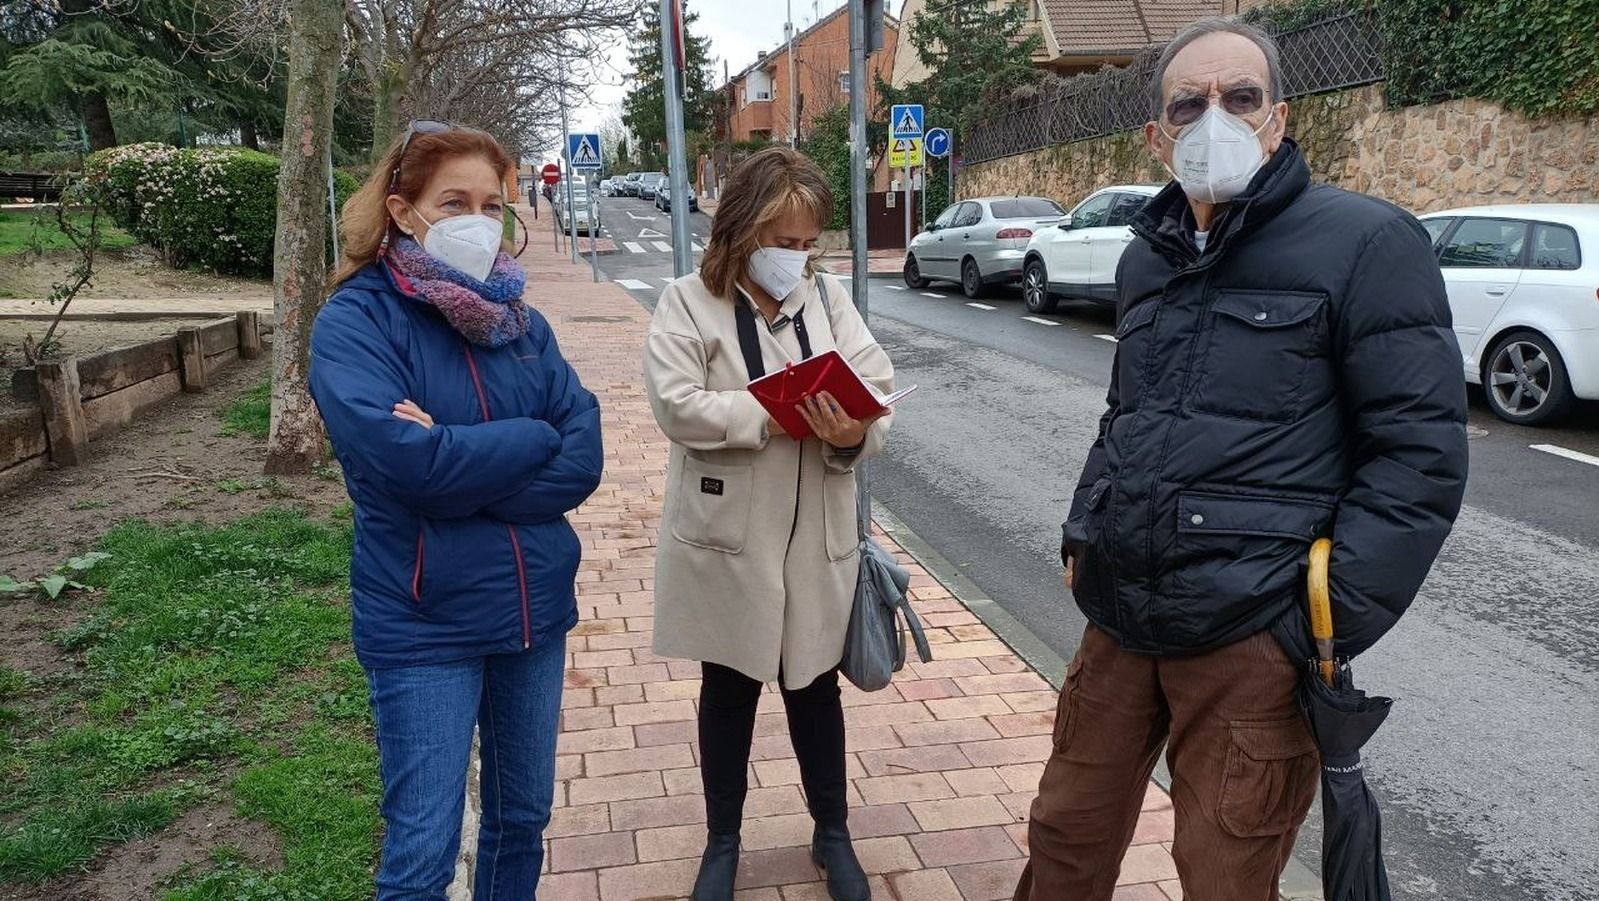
(1523, 282)
(580, 208)
(629, 186)
(1077, 257)
(608, 187)
(649, 184)
(978, 243)
(663, 198)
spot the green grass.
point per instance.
(251, 414)
(19, 229)
(215, 667)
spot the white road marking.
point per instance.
(633, 284)
(695, 245)
(1039, 321)
(1110, 338)
(931, 294)
(650, 233)
(636, 217)
(633, 247)
(1569, 454)
(980, 306)
(895, 287)
(662, 246)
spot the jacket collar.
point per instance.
(1167, 220)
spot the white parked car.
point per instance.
(1523, 283)
(977, 243)
(1077, 257)
(581, 203)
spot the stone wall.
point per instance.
(1423, 158)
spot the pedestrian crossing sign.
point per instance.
(905, 152)
(583, 152)
(905, 120)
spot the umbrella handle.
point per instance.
(1321, 622)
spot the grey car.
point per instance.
(649, 183)
(978, 243)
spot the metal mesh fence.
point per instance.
(1340, 51)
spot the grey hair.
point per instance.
(1216, 25)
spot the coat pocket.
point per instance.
(1270, 778)
(713, 505)
(1259, 352)
(1132, 342)
(839, 515)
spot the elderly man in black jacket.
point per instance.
(1285, 371)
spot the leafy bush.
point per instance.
(210, 208)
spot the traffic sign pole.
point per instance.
(594, 224)
(571, 220)
(676, 149)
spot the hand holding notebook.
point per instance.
(782, 392)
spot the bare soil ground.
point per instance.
(133, 273)
(75, 339)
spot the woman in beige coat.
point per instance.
(758, 551)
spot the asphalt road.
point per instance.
(1488, 769)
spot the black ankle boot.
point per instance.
(718, 868)
(832, 851)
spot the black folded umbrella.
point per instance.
(1342, 718)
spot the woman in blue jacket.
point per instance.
(465, 438)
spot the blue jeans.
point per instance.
(425, 716)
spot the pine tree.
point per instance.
(644, 109)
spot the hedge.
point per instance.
(210, 208)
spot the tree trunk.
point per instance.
(297, 436)
(386, 108)
(97, 120)
(248, 137)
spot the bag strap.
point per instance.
(923, 650)
(749, 340)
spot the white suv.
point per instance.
(1523, 283)
(1077, 258)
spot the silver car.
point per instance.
(978, 243)
(581, 212)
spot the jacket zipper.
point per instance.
(516, 546)
(416, 572)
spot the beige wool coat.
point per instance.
(758, 551)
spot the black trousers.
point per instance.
(728, 700)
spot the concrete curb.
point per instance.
(1298, 883)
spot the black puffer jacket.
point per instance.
(1298, 379)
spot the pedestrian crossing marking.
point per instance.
(633, 246)
(662, 246)
(633, 284)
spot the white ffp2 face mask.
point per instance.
(778, 271)
(1215, 158)
(470, 243)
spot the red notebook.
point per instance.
(788, 387)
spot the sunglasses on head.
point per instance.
(417, 127)
(1240, 101)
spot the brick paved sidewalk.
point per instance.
(943, 764)
(878, 262)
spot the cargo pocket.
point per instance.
(1064, 721)
(1132, 341)
(713, 505)
(1260, 348)
(1270, 778)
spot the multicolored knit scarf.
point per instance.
(488, 313)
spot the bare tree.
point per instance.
(297, 436)
(438, 57)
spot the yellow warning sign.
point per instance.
(905, 152)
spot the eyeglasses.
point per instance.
(1240, 101)
(417, 127)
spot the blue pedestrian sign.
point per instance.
(583, 152)
(905, 121)
(937, 143)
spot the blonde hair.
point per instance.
(771, 184)
(364, 224)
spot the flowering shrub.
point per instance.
(208, 208)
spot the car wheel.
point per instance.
(913, 273)
(1525, 380)
(971, 279)
(1035, 288)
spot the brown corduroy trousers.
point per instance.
(1244, 770)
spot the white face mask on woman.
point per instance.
(1216, 157)
(470, 243)
(778, 271)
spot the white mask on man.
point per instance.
(777, 270)
(470, 243)
(1215, 158)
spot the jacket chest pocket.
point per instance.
(713, 505)
(1132, 344)
(1260, 348)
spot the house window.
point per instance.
(843, 81)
